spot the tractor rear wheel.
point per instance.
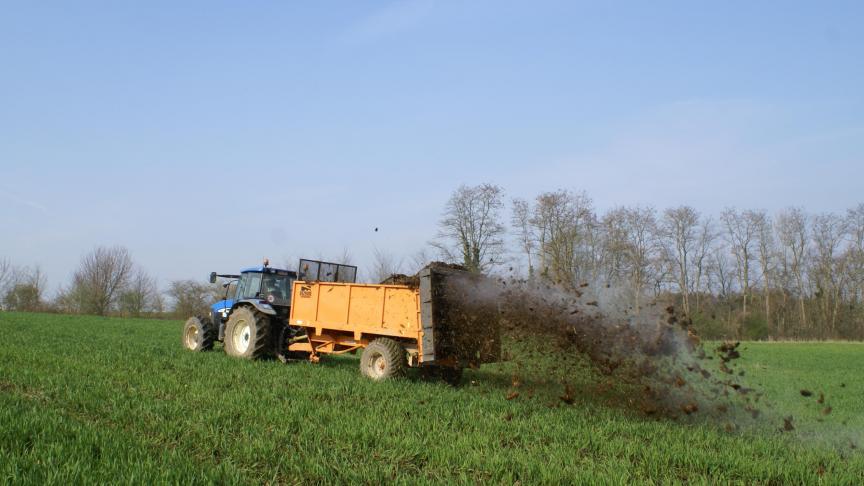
(247, 334)
(384, 358)
(198, 334)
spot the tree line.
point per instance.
(741, 274)
(106, 282)
(744, 273)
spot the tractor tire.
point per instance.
(383, 359)
(198, 334)
(247, 334)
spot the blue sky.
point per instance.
(206, 135)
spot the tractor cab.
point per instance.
(264, 288)
(264, 283)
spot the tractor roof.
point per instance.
(277, 271)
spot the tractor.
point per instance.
(430, 322)
(252, 318)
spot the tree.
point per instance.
(614, 241)
(471, 228)
(829, 231)
(6, 272)
(190, 298)
(521, 222)
(561, 222)
(855, 229)
(740, 234)
(707, 235)
(344, 258)
(419, 260)
(766, 249)
(23, 297)
(7, 276)
(384, 265)
(720, 272)
(25, 289)
(679, 229)
(641, 248)
(139, 295)
(100, 278)
(791, 228)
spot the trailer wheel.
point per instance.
(384, 358)
(198, 334)
(247, 334)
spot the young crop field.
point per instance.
(92, 400)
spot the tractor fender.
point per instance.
(262, 307)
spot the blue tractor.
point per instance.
(252, 318)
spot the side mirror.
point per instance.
(212, 277)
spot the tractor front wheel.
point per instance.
(198, 334)
(247, 334)
(384, 358)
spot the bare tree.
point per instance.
(25, 290)
(641, 250)
(139, 295)
(594, 249)
(614, 237)
(100, 278)
(679, 229)
(829, 231)
(384, 265)
(766, 249)
(345, 257)
(720, 277)
(855, 229)
(740, 234)
(521, 222)
(707, 235)
(561, 222)
(7, 275)
(721, 274)
(419, 260)
(791, 228)
(471, 228)
(190, 298)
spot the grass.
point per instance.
(87, 399)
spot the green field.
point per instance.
(89, 399)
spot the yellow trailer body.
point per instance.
(363, 311)
(432, 322)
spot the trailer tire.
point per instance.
(247, 334)
(383, 359)
(198, 334)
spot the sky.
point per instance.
(208, 135)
